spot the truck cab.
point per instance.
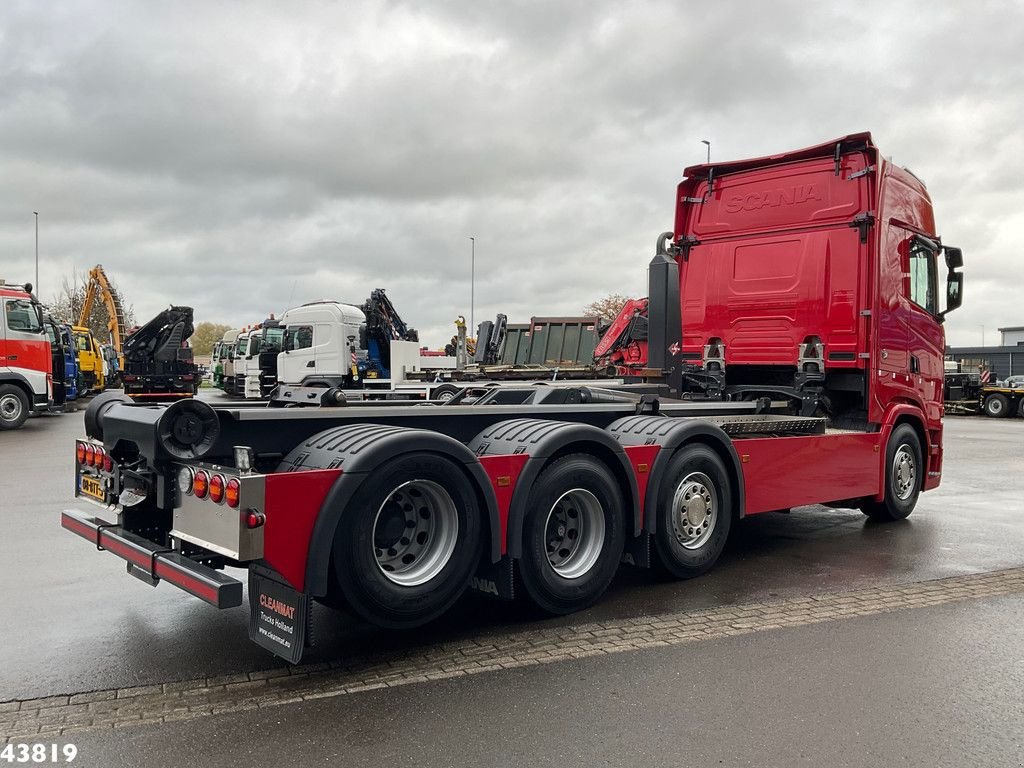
(260, 362)
(227, 360)
(25, 356)
(63, 360)
(90, 361)
(320, 344)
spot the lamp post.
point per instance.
(472, 284)
(708, 144)
(36, 214)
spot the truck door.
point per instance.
(296, 362)
(925, 347)
(328, 342)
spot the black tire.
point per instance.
(688, 546)
(996, 406)
(445, 392)
(14, 406)
(582, 490)
(393, 490)
(901, 490)
(1020, 407)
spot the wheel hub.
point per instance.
(574, 533)
(694, 510)
(10, 407)
(904, 472)
(415, 532)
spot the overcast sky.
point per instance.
(247, 157)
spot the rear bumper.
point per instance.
(155, 562)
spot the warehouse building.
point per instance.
(1005, 360)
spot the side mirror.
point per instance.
(954, 257)
(954, 292)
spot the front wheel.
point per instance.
(573, 535)
(694, 512)
(408, 542)
(904, 476)
(14, 406)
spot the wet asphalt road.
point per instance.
(74, 621)
(934, 687)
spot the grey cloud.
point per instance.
(241, 157)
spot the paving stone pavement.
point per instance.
(186, 700)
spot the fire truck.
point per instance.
(26, 382)
(795, 325)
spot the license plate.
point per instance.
(93, 488)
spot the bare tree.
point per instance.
(607, 307)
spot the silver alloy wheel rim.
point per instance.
(904, 472)
(574, 533)
(995, 406)
(415, 532)
(10, 407)
(694, 510)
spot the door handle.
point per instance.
(885, 354)
(311, 364)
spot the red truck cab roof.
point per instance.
(784, 248)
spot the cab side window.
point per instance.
(922, 276)
(298, 337)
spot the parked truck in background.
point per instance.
(259, 366)
(795, 317)
(90, 362)
(228, 342)
(158, 361)
(63, 361)
(26, 365)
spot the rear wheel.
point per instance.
(408, 542)
(573, 534)
(694, 512)
(904, 475)
(996, 406)
(1020, 407)
(14, 406)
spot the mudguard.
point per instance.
(669, 434)
(540, 439)
(358, 449)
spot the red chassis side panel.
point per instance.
(293, 502)
(784, 472)
(503, 472)
(641, 458)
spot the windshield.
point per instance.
(241, 347)
(273, 340)
(22, 315)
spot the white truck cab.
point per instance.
(257, 377)
(321, 341)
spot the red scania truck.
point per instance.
(795, 330)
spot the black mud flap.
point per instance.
(638, 551)
(279, 617)
(495, 579)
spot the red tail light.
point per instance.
(108, 463)
(200, 484)
(90, 454)
(254, 519)
(232, 492)
(80, 452)
(217, 484)
(97, 456)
